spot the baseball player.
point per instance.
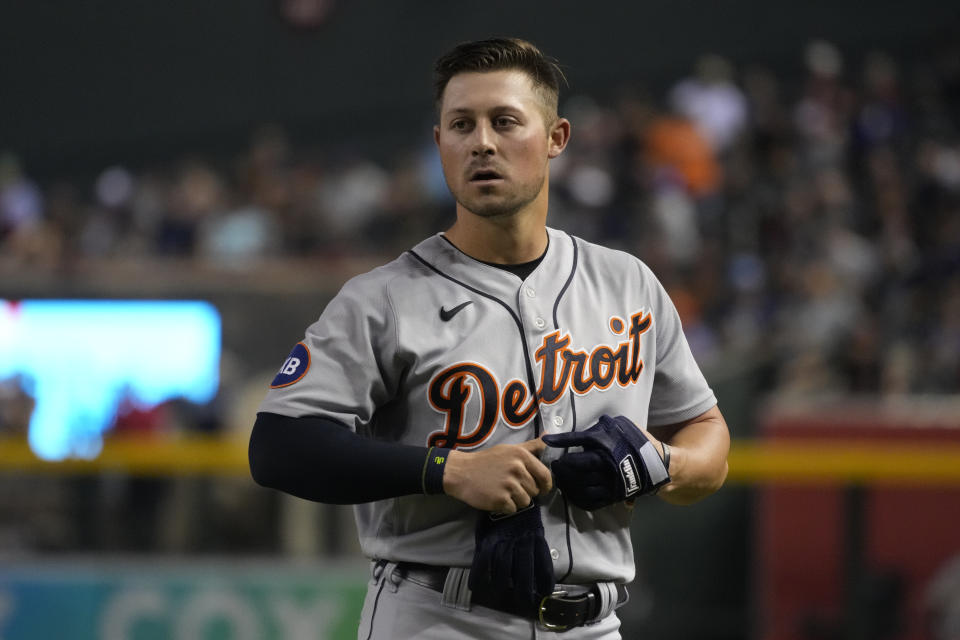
(495, 399)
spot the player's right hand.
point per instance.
(503, 478)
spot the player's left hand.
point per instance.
(617, 462)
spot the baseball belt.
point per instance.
(569, 606)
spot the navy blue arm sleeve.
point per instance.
(322, 460)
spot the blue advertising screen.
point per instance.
(79, 359)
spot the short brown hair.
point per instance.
(497, 54)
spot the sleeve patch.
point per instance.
(294, 367)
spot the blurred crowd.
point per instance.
(811, 220)
(805, 223)
(807, 226)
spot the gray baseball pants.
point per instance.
(396, 608)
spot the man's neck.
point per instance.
(511, 240)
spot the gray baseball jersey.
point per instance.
(436, 348)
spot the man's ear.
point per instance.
(559, 137)
(436, 134)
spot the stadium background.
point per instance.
(792, 174)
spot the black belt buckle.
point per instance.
(577, 611)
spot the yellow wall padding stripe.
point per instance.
(751, 461)
(828, 461)
(153, 456)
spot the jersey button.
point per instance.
(554, 554)
(530, 292)
(539, 323)
(557, 420)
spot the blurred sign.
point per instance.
(204, 601)
(80, 359)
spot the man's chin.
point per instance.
(491, 209)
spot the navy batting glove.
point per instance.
(617, 462)
(511, 566)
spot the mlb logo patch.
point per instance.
(294, 367)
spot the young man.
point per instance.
(495, 399)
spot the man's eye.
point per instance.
(459, 125)
(503, 122)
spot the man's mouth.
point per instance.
(485, 175)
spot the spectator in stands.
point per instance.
(819, 233)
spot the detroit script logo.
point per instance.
(561, 369)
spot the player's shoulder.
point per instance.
(379, 279)
(593, 255)
(390, 275)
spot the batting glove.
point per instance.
(617, 462)
(512, 565)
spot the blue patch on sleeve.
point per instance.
(294, 367)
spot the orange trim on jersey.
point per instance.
(580, 364)
(578, 371)
(619, 321)
(300, 377)
(574, 370)
(612, 365)
(458, 434)
(540, 355)
(515, 387)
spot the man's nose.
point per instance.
(483, 141)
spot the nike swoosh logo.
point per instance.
(446, 315)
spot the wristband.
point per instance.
(432, 477)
